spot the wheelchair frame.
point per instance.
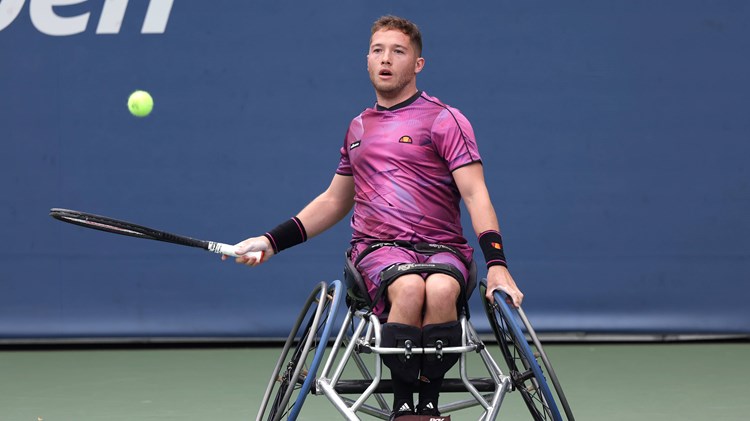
(306, 347)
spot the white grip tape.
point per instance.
(231, 250)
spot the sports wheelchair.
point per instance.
(307, 347)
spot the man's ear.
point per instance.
(419, 65)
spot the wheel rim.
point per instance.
(289, 370)
(525, 372)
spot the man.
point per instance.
(405, 165)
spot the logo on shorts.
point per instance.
(355, 144)
(440, 246)
(405, 139)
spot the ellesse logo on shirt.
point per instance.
(405, 139)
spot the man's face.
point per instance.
(392, 62)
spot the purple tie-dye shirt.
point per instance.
(402, 161)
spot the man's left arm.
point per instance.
(473, 189)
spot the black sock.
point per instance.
(404, 371)
(434, 367)
(429, 391)
(403, 394)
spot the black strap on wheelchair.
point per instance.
(389, 274)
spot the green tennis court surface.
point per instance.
(695, 381)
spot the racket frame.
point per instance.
(117, 226)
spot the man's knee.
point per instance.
(441, 288)
(408, 289)
(443, 294)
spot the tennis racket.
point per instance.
(115, 226)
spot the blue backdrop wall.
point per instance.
(615, 137)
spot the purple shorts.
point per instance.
(373, 264)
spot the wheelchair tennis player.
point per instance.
(405, 165)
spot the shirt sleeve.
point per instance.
(353, 136)
(345, 166)
(454, 139)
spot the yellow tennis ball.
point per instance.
(140, 103)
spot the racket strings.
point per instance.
(107, 227)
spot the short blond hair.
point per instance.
(406, 26)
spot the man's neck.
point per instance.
(389, 101)
(404, 103)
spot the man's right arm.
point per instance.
(329, 207)
(322, 213)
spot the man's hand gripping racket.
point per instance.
(252, 251)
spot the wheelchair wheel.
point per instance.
(527, 375)
(296, 368)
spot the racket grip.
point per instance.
(230, 250)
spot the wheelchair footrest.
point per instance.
(385, 386)
(424, 418)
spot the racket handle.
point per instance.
(230, 250)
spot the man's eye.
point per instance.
(399, 51)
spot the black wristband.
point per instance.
(287, 234)
(492, 247)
